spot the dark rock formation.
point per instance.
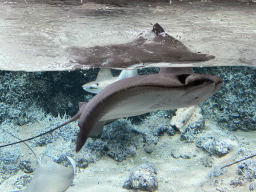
(143, 178)
(233, 106)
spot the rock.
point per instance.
(216, 172)
(149, 148)
(232, 108)
(177, 155)
(22, 181)
(189, 121)
(214, 146)
(58, 153)
(67, 132)
(161, 129)
(238, 182)
(83, 163)
(26, 97)
(154, 127)
(121, 152)
(25, 166)
(142, 178)
(252, 186)
(120, 139)
(44, 139)
(207, 161)
(246, 168)
(9, 162)
(149, 138)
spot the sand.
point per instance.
(173, 174)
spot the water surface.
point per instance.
(35, 36)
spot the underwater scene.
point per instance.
(118, 95)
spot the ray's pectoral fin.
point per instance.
(90, 124)
(81, 105)
(50, 176)
(86, 123)
(97, 130)
(104, 73)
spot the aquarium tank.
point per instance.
(127, 95)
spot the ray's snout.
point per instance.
(199, 79)
(218, 83)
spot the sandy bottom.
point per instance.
(174, 174)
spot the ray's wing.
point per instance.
(50, 176)
(104, 74)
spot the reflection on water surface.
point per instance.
(36, 36)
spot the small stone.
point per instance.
(120, 139)
(22, 181)
(214, 146)
(143, 178)
(252, 186)
(247, 168)
(207, 161)
(26, 166)
(83, 163)
(149, 148)
(189, 121)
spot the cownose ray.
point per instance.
(171, 88)
(105, 78)
(50, 176)
(156, 48)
